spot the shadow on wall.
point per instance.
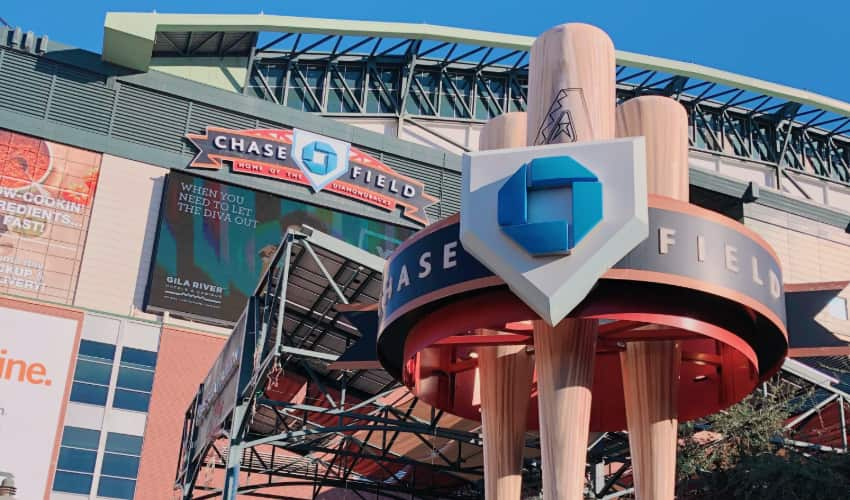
(223, 72)
(96, 71)
(151, 223)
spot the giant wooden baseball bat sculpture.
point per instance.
(506, 372)
(651, 369)
(571, 97)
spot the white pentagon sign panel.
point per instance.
(321, 159)
(552, 285)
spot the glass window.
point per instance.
(132, 378)
(114, 487)
(72, 459)
(517, 90)
(119, 465)
(491, 92)
(124, 443)
(76, 460)
(345, 85)
(457, 88)
(422, 98)
(135, 379)
(89, 393)
(93, 349)
(78, 437)
(92, 373)
(139, 357)
(131, 400)
(71, 482)
(275, 76)
(383, 90)
(305, 87)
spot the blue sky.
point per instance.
(801, 44)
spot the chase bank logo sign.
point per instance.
(549, 205)
(321, 159)
(325, 164)
(551, 220)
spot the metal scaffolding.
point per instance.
(298, 421)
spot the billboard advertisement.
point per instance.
(32, 392)
(226, 380)
(215, 240)
(46, 194)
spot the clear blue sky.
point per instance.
(798, 43)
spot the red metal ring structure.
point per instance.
(731, 332)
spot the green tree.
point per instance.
(739, 454)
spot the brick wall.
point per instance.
(184, 359)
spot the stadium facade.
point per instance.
(145, 191)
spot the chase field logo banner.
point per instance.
(325, 164)
(551, 220)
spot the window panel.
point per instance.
(138, 357)
(92, 371)
(82, 392)
(295, 98)
(101, 350)
(381, 98)
(72, 459)
(335, 101)
(131, 400)
(124, 443)
(339, 99)
(131, 378)
(116, 488)
(80, 438)
(120, 465)
(353, 77)
(72, 482)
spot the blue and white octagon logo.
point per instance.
(321, 159)
(551, 220)
(533, 213)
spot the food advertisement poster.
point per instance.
(46, 195)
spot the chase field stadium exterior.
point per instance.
(128, 249)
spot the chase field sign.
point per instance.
(551, 220)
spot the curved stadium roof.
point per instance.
(129, 37)
(732, 114)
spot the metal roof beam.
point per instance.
(274, 42)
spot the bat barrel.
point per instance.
(571, 86)
(651, 368)
(505, 372)
(571, 98)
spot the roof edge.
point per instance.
(129, 37)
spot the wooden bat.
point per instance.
(651, 369)
(504, 131)
(571, 86)
(663, 123)
(505, 373)
(571, 98)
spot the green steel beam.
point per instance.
(129, 37)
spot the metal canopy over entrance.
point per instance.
(297, 421)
